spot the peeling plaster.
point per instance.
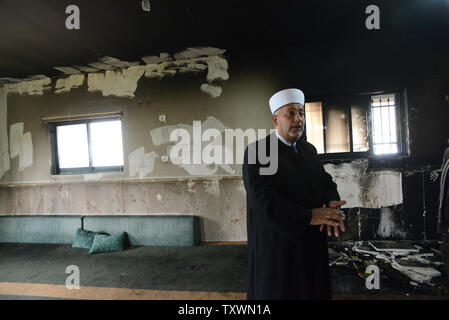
(32, 87)
(198, 52)
(14, 80)
(36, 77)
(86, 69)
(66, 84)
(67, 70)
(366, 189)
(160, 67)
(163, 57)
(118, 63)
(4, 150)
(121, 83)
(102, 66)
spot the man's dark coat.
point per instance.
(288, 258)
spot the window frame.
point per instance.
(56, 170)
(364, 99)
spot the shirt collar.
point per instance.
(285, 141)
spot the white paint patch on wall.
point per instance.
(21, 145)
(121, 83)
(161, 136)
(4, 150)
(213, 91)
(387, 226)
(66, 84)
(346, 175)
(26, 152)
(15, 138)
(33, 87)
(367, 190)
(141, 163)
(383, 188)
(213, 123)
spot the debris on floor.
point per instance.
(407, 264)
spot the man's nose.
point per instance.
(297, 117)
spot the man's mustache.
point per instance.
(299, 126)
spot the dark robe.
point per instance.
(288, 258)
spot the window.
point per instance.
(87, 145)
(383, 110)
(354, 126)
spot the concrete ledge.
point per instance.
(149, 230)
(39, 229)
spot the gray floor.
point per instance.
(201, 268)
(213, 268)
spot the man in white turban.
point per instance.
(288, 210)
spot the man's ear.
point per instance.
(274, 119)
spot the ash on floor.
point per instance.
(406, 268)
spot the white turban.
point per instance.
(283, 97)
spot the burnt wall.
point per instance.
(324, 54)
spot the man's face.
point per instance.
(289, 121)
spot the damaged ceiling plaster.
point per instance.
(114, 77)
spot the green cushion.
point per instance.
(84, 238)
(116, 242)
